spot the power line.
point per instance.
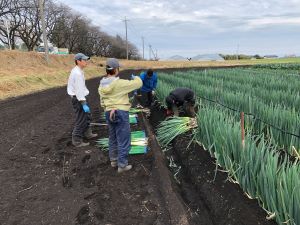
(111, 12)
(111, 29)
(126, 38)
(131, 27)
(128, 26)
(141, 34)
(143, 48)
(134, 30)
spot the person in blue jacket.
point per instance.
(149, 79)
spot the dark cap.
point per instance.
(80, 56)
(150, 72)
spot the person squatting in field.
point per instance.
(114, 99)
(78, 91)
(181, 98)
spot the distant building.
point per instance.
(290, 56)
(52, 49)
(208, 57)
(204, 57)
(176, 58)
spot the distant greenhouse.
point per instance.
(208, 57)
(177, 58)
(204, 57)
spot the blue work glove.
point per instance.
(86, 108)
(132, 77)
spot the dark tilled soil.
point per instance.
(210, 196)
(45, 180)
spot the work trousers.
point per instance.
(147, 98)
(119, 137)
(82, 119)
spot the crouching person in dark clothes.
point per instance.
(78, 92)
(181, 98)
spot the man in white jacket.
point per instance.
(78, 92)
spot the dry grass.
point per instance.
(26, 72)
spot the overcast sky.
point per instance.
(191, 27)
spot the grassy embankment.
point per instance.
(26, 72)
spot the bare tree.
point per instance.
(6, 7)
(98, 42)
(78, 34)
(133, 52)
(70, 31)
(60, 32)
(75, 32)
(30, 29)
(8, 34)
(65, 29)
(29, 21)
(8, 28)
(103, 45)
(54, 13)
(118, 49)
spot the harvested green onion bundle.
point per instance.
(139, 143)
(174, 126)
(136, 149)
(132, 118)
(134, 110)
(138, 110)
(102, 143)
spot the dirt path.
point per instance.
(31, 126)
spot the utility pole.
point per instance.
(237, 52)
(149, 52)
(42, 12)
(143, 48)
(8, 35)
(126, 38)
